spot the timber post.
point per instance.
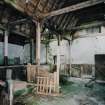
(58, 63)
(38, 42)
(70, 43)
(6, 34)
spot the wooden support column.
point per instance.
(58, 63)
(6, 33)
(81, 71)
(46, 53)
(10, 85)
(38, 42)
(93, 71)
(31, 51)
(70, 43)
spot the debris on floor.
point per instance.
(73, 93)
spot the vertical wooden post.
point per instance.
(11, 92)
(70, 42)
(81, 71)
(58, 63)
(46, 53)
(6, 33)
(38, 41)
(10, 83)
(31, 51)
(93, 71)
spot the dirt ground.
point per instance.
(73, 93)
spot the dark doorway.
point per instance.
(55, 59)
(100, 66)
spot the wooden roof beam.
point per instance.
(88, 25)
(75, 7)
(45, 5)
(37, 4)
(21, 9)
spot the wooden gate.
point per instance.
(46, 83)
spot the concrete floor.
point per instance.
(72, 94)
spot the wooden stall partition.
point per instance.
(46, 83)
(65, 69)
(31, 72)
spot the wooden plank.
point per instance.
(75, 7)
(28, 73)
(37, 85)
(33, 77)
(44, 83)
(81, 71)
(54, 81)
(50, 87)
(47, 85)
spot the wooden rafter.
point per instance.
(63, 21)
(88, 26)
(57, 19)
(70, 20)
(38, 2)
(60, 5)
(54, 2)
(45, 5)
(21, 9)
(73, 22)
(67, 21)
(72, 8)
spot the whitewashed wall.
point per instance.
(22, 52)
(13, 51)
(26, 56)
(43, 53)
(83, 49)
(64, 49)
